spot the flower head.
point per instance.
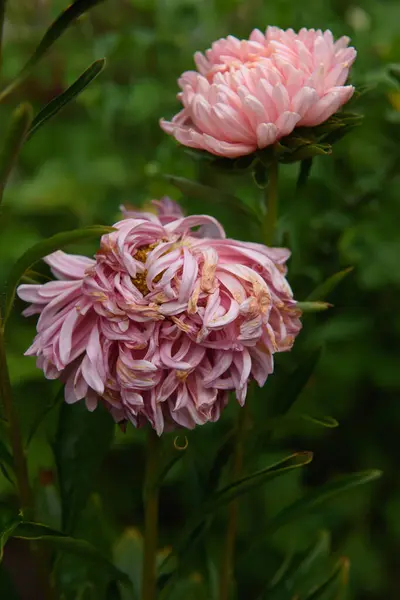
(247, 94)
(166, 319)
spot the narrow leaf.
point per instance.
(327, 421)
(295, 382)
(167, 466)
(65, 19)
(255, 480)
(312, 307)
(209, 194)
(58, 103)
(6, 533)
(316, 498)
(234, 490)
(43, 248)
(323, 290)
(65, 543)
(15, 137)
(82, 441)
(44, 413)
(331, 584)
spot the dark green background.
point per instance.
(107, 149)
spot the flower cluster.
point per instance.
(247, 94)
(167, 318)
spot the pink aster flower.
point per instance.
(247, 94)
(165, 320)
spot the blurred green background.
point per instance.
(107, 149)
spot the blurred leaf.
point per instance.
(44, 248)
(58, 103)
(59, 397)
(115, 593)
(8, 532)
(6, 462)
(304, 173)
(167, 465)
(316, 498)
(128, 557)
(82, 441)
(331, 584)
(260, 175)
(64, 543)
(254, 480)
(327, 421)
(312, 307)
(66, 18)
(294, 383)
(14, 139)
(224, 452)
(323, 290)
(209, 194)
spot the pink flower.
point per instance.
(247, 94)
(166, 319)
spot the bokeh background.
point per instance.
(107, 149)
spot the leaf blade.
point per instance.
(323, 290)
(56, 29)
(316, 498)
(59, 102)
(27, 530)
(15, 138)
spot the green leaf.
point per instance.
(58, 103)
(260, 175)
(314, 499)
(295, 383)
(8, 532)
(308, 151)
(128, 557)
(232, 491)
(312, 307)
(65, 19)
(6, 462)
(64, 543)
(304, 173)
(43, 248)
(323, 290)
(167, 465)
(254, 480)
(14, 140)
(325, 421)
(82, 441)
(338, 576)
(209, 194)
(59, 397)
(304, 565)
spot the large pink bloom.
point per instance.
(247, 94)
(165, 320)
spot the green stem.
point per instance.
(227, 565)
(2, 17)
(21, 468)
(271, 200)
(20, 464)
(150, 519)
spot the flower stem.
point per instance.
(271, 200)
(151, 519)
(227, 566)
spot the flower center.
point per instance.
(140, 280)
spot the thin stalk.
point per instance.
(20, 464)
(2, 18)
(227, 565)
(150, 519)
(271, 201)
(21, 468)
